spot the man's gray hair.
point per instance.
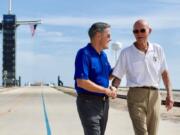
(97, 27)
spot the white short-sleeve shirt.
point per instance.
(141, 69)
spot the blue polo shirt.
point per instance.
(90, 65)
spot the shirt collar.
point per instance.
(94, 50)
(150, 48)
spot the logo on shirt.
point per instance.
(154, 58)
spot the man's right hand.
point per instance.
(114, 90)
(111, 92)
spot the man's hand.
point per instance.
(111, 93)
(167, 84)
(114, 90)
(169, 102)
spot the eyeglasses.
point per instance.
(108, 36)
(136, 31)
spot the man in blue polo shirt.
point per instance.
(92, 74)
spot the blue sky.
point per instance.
(51, 52)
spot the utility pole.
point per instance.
(8, 27)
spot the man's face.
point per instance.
(105, 38)
(141, 32)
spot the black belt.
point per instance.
(92, 96)
(146, 87)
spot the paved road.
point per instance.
(46, 111)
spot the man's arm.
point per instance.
(167, 84)
(111, 77)
(116, 82)
(93, 87)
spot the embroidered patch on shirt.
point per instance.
(154, 58)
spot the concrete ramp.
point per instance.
(47, 111)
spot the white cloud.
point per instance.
(33, 67)
(40, 30)
(61, 20)
(160, 20)
(51, 34)
(46, 36)
(82, 21)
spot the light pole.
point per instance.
(116, 46)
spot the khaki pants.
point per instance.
(144, 110)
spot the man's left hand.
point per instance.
(169, 102)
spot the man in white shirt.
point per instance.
(144, 65)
